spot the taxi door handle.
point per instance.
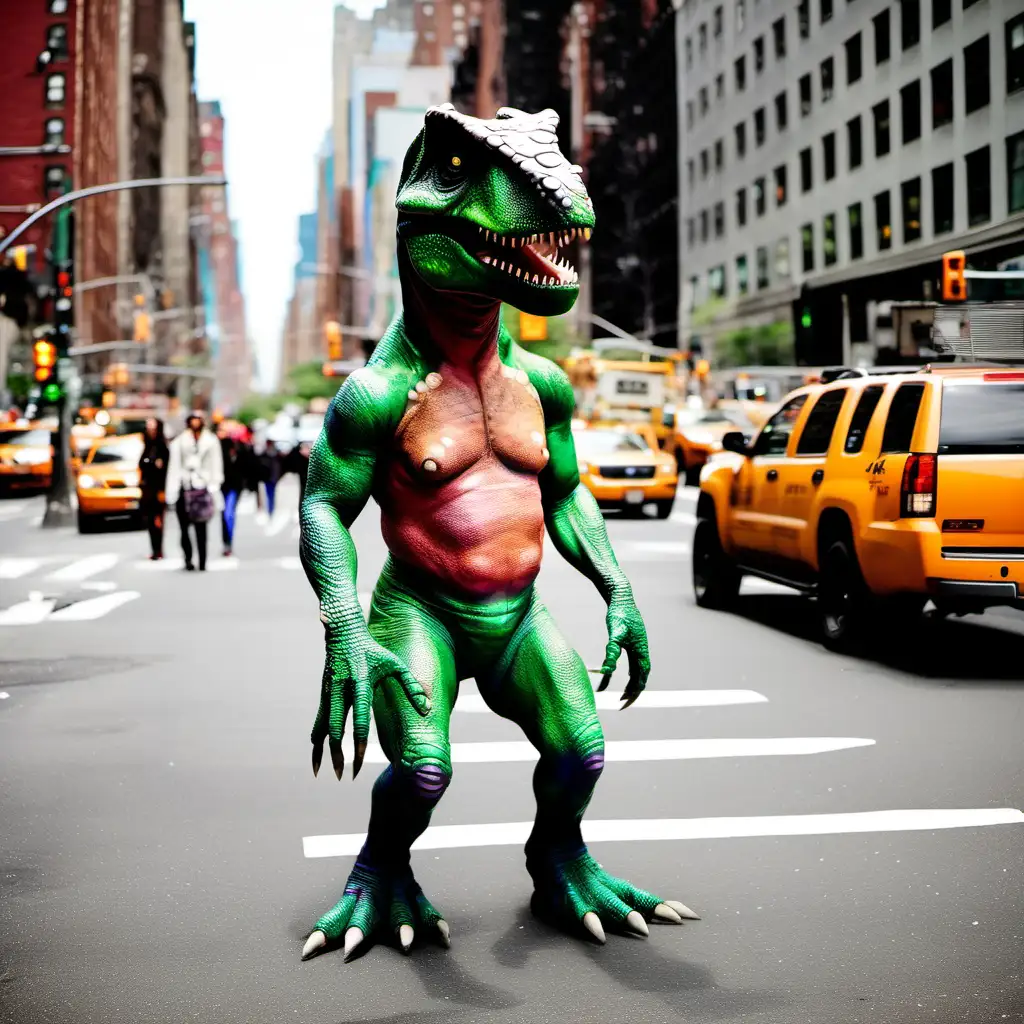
(773, 474)
(817, 476)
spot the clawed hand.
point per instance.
(626, 632)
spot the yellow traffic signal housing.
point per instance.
(532, 328)
(44, 356)
(20, 256)
(954, 284)
(335, 340)
(109, 399)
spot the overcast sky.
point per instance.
(269, 64)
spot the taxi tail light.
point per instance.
(917, 491)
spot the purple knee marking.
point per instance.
(429, 781)
(593, 763)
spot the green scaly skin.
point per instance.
(404, 664)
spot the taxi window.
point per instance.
(982, 419)
(899, 426)
(861, 420)
(774, 437)
(25, 438)
(817, 433)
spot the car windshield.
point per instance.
(25, 437)
(604, 442)
(982, 419)
(123, 452)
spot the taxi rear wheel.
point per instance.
(844, 604)
(716, 579)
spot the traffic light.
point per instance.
(954, 284)
(532, 328)
(44, 358)
(109, 400)
(332, 329)
(141, 332)
(19, 257)
(805, 318)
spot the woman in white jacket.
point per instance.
(195, 472)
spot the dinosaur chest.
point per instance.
(455, 419)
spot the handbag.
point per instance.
(199, 505)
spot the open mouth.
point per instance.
(535, 259)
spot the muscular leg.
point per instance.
(545, 689)
(381, 891)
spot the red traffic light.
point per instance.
(63, 279)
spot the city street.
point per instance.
(847, 828)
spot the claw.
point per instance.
(357, 761)
(337, 757)
(318, 756)
(682, 910)
(663, 912)
(446, 933)
(628, 699)
(352, 939)
(637, 923)
(316, 941)
(593, 925)
(405, 936)
(605, 680)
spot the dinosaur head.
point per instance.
(486, 206)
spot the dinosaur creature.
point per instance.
(464, 440)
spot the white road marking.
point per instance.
(686, 518)
(473, 703)
(515, 833)
(288, 562)
(164, 565)
(94, 608)
(661, 547)
(364, 603)
(13, 568)
(4, 695)
(756, 585)
(504, 751)
(101, 585)
(223, 565)
(84, 568)
(27, 613)
(277, 524)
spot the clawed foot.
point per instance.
(579, 893)
(375, 900)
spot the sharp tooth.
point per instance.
(502, 239)
(586, 234)
(512, 242)
(519, 271)
(536, 279)
(572, 234)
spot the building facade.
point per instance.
(830, 152)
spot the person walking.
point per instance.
(153, 480)
(270, 465)
(233, 458)
(194, 478)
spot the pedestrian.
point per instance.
(298, 463)
(194, 478)
(270, 474)
(233, 458)
(153, 480)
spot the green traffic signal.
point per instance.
(805, 319)
(51, 393)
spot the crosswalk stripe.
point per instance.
(27, 613)
(686, 518)
(505, 751)
(223, 565)
(84, 568)
(94, 607)
(13, 568)
(659, 547)
(473, 703)
(515, 833)
(277, 524)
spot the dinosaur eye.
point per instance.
(456, 161)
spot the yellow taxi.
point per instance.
(623, 468)
(26, 457)
(83, 437)
(695, 434)
(874, 493)
(108, 484)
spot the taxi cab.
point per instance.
(26, 457)
(696, 434)
(108, 484)
(623, 468)
(874, 493)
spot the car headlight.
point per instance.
(131, 478)
(28, 457)
(666, 468)
(85, 481)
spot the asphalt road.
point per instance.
(155, 795)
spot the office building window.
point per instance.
(781, 112)
(694, 290)
(942, 11)
(976, 74)
(741, 15)
(762, 267)
(689, 113)
(702, 38)
(828, 149)
(806, 170)
(55, 86)
(720, 87)
(826, 11)
(1015, 172)
(970, 3)
(54, 131)
(719, 219)
(759, 54)
(910, 193)
(1015, 54)
(740, 68)
(942, 199)
(689, 173)
(883, 220)
(741, 139)
(853, 142)
(759, 197)
(704, 225)
(807, 242)
(828, 68)
(716, 282)
(779, 37)
(853, 217)
(741, 208)
(782, 258)
(942, 94)
(882, 36)
(57, 41)
(703, 94)
(881, 116)
(689, 53)
(780, 185)
(910, 104)
(829, 232)
(979, 186)
(803, 17)
(719, 154)
(759, 129)
(703, 163)
(719, 17)
(691, 232)
(805, 95)
(853, 63)
(742, 280)
(910, 23)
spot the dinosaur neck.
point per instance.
(459, 327)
